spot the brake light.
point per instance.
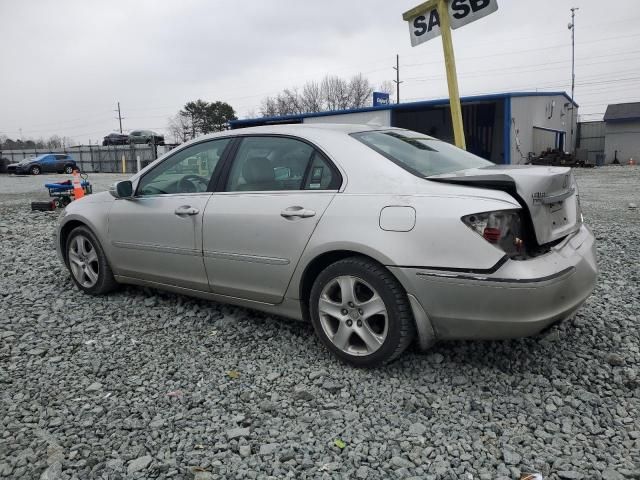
(502, 228)
(491, 235)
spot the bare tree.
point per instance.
(54, 141)
(360, 91)
(311, 98)
(290, 103)
(332, 93)
(388, 87)
(67, 142)
(335, 92)
(269, 107)
(180, 128)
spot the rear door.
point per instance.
(49, 164)
(157, 235)
(61, 160)
(272, 196)
(134, 137)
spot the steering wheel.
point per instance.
(189, 184)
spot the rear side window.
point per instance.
(320, 174)
(419, 154)
(280, 163)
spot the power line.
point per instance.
(532, 67)
(528, 50)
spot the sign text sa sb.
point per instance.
(426, 26)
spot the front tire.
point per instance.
(361, 313)
(35, 170)
(87, 263)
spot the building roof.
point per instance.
(622, 112)
(394, 106)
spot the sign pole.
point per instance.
(452, 77)
(430, 19)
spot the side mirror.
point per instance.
(123, 189)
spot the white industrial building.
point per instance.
(506, 128)
(622, 133)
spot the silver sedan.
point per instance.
(379, 237)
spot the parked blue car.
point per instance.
(47, 163)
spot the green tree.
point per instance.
(206, 117)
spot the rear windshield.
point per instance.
(421, 155)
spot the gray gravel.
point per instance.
(144, 384)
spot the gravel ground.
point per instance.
(144, 384)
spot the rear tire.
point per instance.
(87, 263)
(68, 169)
(361, 313)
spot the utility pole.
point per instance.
(397, 80)
(119, 117)
(572, 27)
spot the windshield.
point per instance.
(420, 154)
(32, 159)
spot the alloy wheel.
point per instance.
(353, 315)
(83, 261)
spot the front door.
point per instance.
(255, 231)
(157, 235)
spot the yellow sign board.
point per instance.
(438, 17)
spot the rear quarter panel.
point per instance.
(439, 239)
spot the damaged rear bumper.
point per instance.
(520, 298)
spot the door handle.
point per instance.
(299, 212)
(186, 210)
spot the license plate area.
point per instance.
(554, 207)
(558, 215)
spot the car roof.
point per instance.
(301, 128)
(308, 131)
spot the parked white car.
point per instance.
(377, 236)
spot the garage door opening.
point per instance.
(547, 139)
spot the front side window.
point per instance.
(188, 171)
(279, 163)
(421, 155)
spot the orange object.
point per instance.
(78, 191)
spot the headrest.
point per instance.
(258, 170)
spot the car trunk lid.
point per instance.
(549, 194)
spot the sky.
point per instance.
(66, 63)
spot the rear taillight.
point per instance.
(491, 234)
(502, 228)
